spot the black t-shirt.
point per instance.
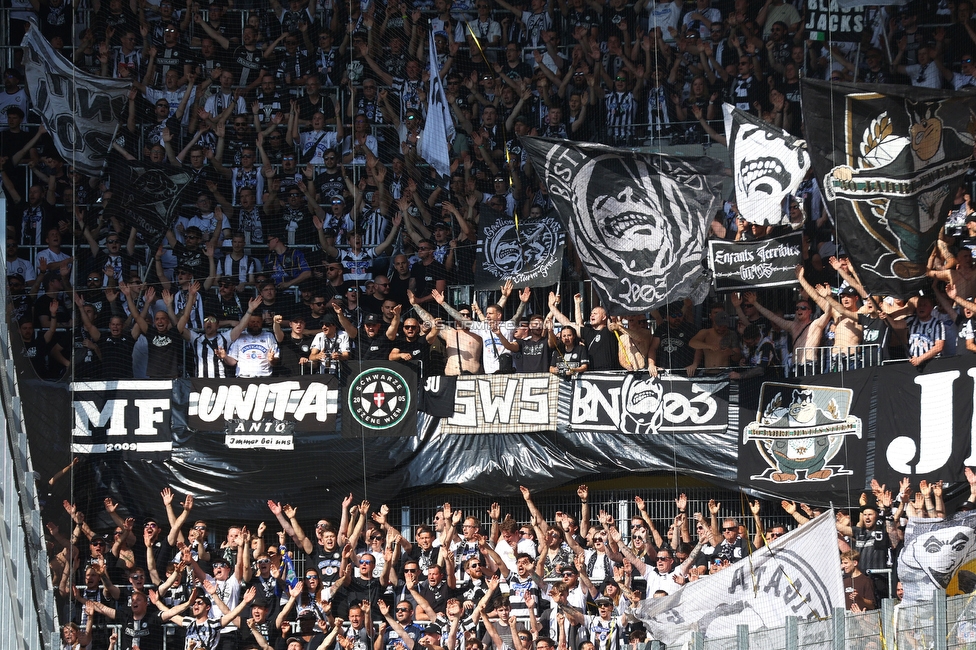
(602, 347)
(373, 349)
(165, 353)
(194, 260)
(327, 562)
(116, 356)
(572, 358)
(533, 355)
(148, 629)
(36, 352)
(291, 350)
(418, 349)
(673, 350)
(876, 331)
(427, 277)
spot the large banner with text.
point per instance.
(237, 443)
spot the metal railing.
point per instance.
(27, 613)
(821, 360)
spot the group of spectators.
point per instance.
(356, 582)
(310, 214)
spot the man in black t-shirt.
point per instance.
(138, 624)
(371, 341)
(411, 347)
(426, 275)
(534, 350)
(669, 345)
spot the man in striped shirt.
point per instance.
(926, 332)
(206, 343)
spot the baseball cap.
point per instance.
(372, 319)
(848, 291)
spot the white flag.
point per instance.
(767, 164)
(435, 142)
(79, 110)
(799, 575)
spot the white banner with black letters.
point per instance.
(503, 404)
(79, 111)
(797, 576)
(122, 416)
(747, 265)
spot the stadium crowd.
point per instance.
(310, 214)
(569, 581)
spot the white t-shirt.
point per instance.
(251, 353)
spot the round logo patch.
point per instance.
(378, 398)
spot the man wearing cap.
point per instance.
(287, 266)
(199, 626)
(870, 539)
(427, 275)
(719, 343)
(847, 329)
(330, 347)
(372, 343)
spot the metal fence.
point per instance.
(821, 360)
(27, 612)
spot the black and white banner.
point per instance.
(637, 403)
(798, 575)
(529, 252)
(934, 552)
(890, 175)
(834, 20)
(122, 416)
(747, 265)
(146, 196)
(806, 434)
(502, 404)
(263, 413)
(926, 421)
(638, 220)
(80, 111)
(768, 163)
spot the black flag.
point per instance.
(638, 220)
(145, 196)
(529, 253)
(889, 161)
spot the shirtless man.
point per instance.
(799, 328)
(719, 343)
(963, 276)
(463, 347)
(635, 343)
(847, 329)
